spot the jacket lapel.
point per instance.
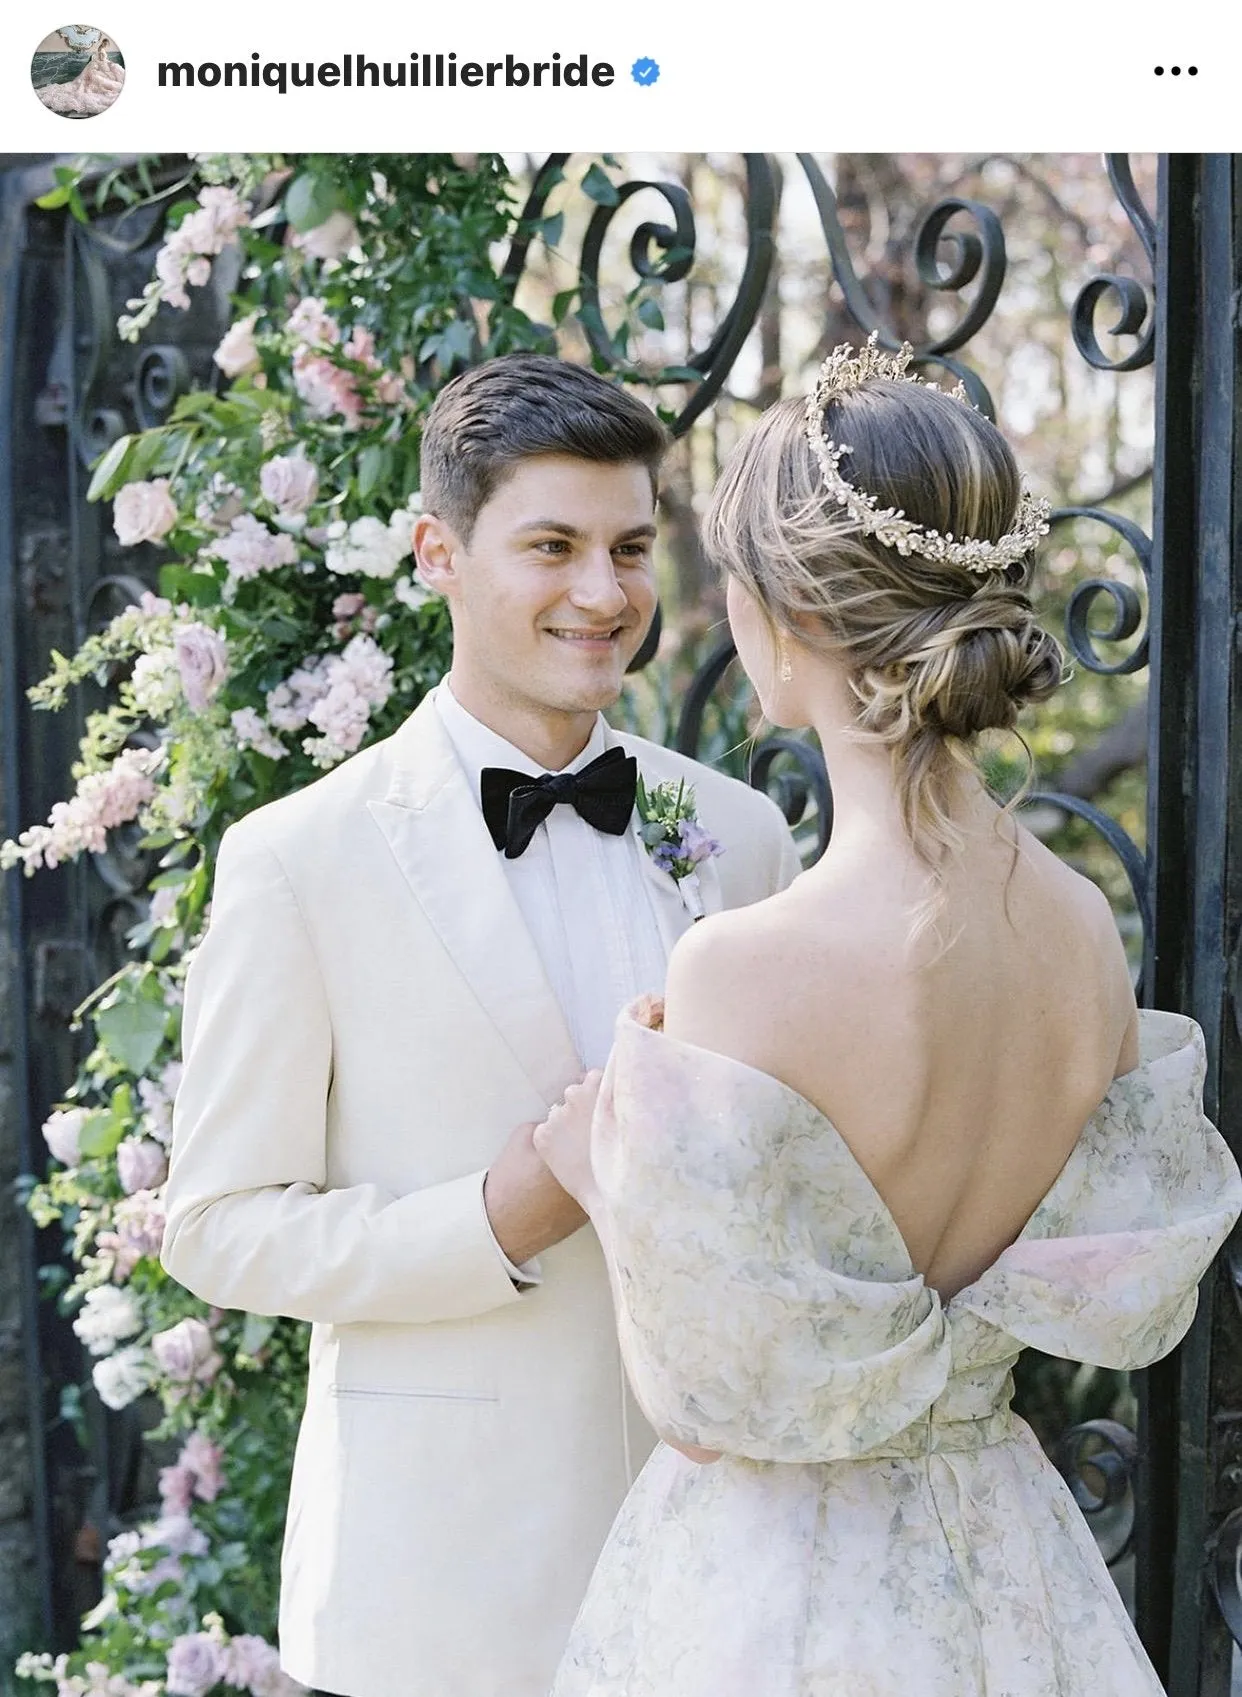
(435, 830)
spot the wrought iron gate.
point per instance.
(67, 388)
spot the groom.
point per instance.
(408, 963)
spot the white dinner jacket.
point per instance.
(365, 1022)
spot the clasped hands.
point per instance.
(541, 1187)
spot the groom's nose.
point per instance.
(595, 587)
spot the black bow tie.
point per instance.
(515, 804)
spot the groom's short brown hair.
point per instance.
(509, 409)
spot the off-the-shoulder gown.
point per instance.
(882, 1524)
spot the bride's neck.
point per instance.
(865, 797)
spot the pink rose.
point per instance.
(203, 662)
(141, 1164)
(143, 512)
(238, 352)
(195, 1663)
(186, 1353)
(202, 1460)
(176, 1489)
(290, 482)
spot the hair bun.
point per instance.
(990, 658)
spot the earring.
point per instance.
(786, 668)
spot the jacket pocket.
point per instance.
(386, 1393)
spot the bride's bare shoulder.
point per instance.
(733, 978)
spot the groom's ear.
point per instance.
(435, 547)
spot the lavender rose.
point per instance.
(290, 482)
(195, 1663)
(203, 662)
(143, 512)
(186, 1353)
(141, 1164)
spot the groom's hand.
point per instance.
(527, 1208)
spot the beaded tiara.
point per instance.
(848, 368)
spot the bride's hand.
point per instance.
(563, 1141)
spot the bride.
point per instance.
(892, 1125)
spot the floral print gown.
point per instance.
(881, 1524)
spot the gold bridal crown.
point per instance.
(847, 368)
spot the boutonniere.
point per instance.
(674, 839)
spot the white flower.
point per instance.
(371, 547)
(155, 683)
(107, 1315)
(250, 548)
(122, 1377)
(61, 1132)
(238, 351)
(251, 732)
(143, 512)
(412, 592)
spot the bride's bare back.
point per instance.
(960, 1083)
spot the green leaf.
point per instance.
(678, 374)
(600, 188)
(54, 198)
(552, 229)
(130, 1024)
(649, 314)
(309, 200)
(372, 465)
(561, 304)
(109, 473)
(180, 582)
(256, 1330)
(101, 1133)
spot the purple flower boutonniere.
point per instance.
(674, 839)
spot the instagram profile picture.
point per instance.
(77, 71)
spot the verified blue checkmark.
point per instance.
(645, 72)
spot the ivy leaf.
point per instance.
(561, 304)
(551, 229)
(597, 186)
(309, 201)
(130, 1024)
(109, 473)
(649, 314)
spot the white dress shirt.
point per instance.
(584, 895)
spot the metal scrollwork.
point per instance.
(788, 769)
(1133, 862)
(1127, 606)
(1097, 1460)
(1136, 317)
(1226, 1572)
(161, 375)
(662, 253)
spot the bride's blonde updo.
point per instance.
(934, 653)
